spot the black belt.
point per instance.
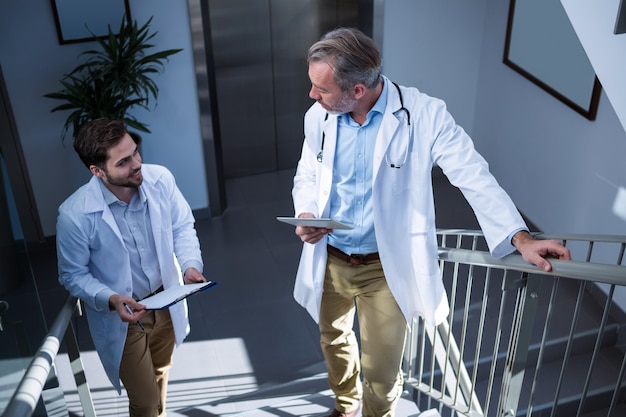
(354, 259)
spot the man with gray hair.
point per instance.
(366, 161)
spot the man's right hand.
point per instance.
(311, 234)
(119, 303)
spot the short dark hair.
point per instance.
(353, 56)
(94, 140)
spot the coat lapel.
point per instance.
(329, 131)
(94, 202)
(388, 128)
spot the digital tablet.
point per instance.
(311, 222)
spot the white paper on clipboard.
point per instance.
(312, 222)
(172, 295)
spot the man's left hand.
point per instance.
(536, 251)
(192, 275)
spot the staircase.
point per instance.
(567, 335)
(305, 397)
(563, 327)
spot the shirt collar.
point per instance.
(110, 198)
(379, 107)
(381, 103)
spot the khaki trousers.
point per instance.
(146, 362)
(382, 329)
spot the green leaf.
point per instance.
(115, 78)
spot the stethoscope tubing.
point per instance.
(320, 154)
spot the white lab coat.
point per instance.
(93, 258)
(404, 212)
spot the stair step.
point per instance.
(620, 410)
(320, 404)
(306, 397)
(599, 393)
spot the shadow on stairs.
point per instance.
(305, 397)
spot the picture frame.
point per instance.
(78, 20)
(543, 47)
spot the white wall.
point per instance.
(594, 24)
(435, 46)
(548, 157)
(552, 160)
(560, 168)
(33, 61)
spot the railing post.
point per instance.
(28, 393)
(78, 370)
(523, 321)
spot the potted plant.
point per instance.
(113, 79)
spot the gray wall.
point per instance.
(560, 168)
(435, 46)
(594, 24)
(548, 157)
(33, 61)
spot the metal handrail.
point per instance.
(457, 380)
(607, 274)
(587, 237)
(28, 392)
(460, 262)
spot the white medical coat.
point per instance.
(403, 203)
(92, 256)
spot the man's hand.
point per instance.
(192, 275)
(311, 234)
(536, 251)
(120, 303)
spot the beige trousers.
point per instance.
(362, 289)
(146, 362)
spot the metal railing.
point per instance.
(519, 341)
(29, 390)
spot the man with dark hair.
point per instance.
(125, 235)
(366, 161)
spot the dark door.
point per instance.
(259, 51)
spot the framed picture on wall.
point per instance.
(79, 20)
(542, 46)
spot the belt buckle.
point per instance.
(358, 259)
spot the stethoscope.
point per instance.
(320, 155)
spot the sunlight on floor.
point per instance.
(203, 372)
(212, 378)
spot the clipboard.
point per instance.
(173, 295)
(313, 222)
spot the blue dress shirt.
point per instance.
(133, 221)
(351, 193)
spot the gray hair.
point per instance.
(352, 55)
